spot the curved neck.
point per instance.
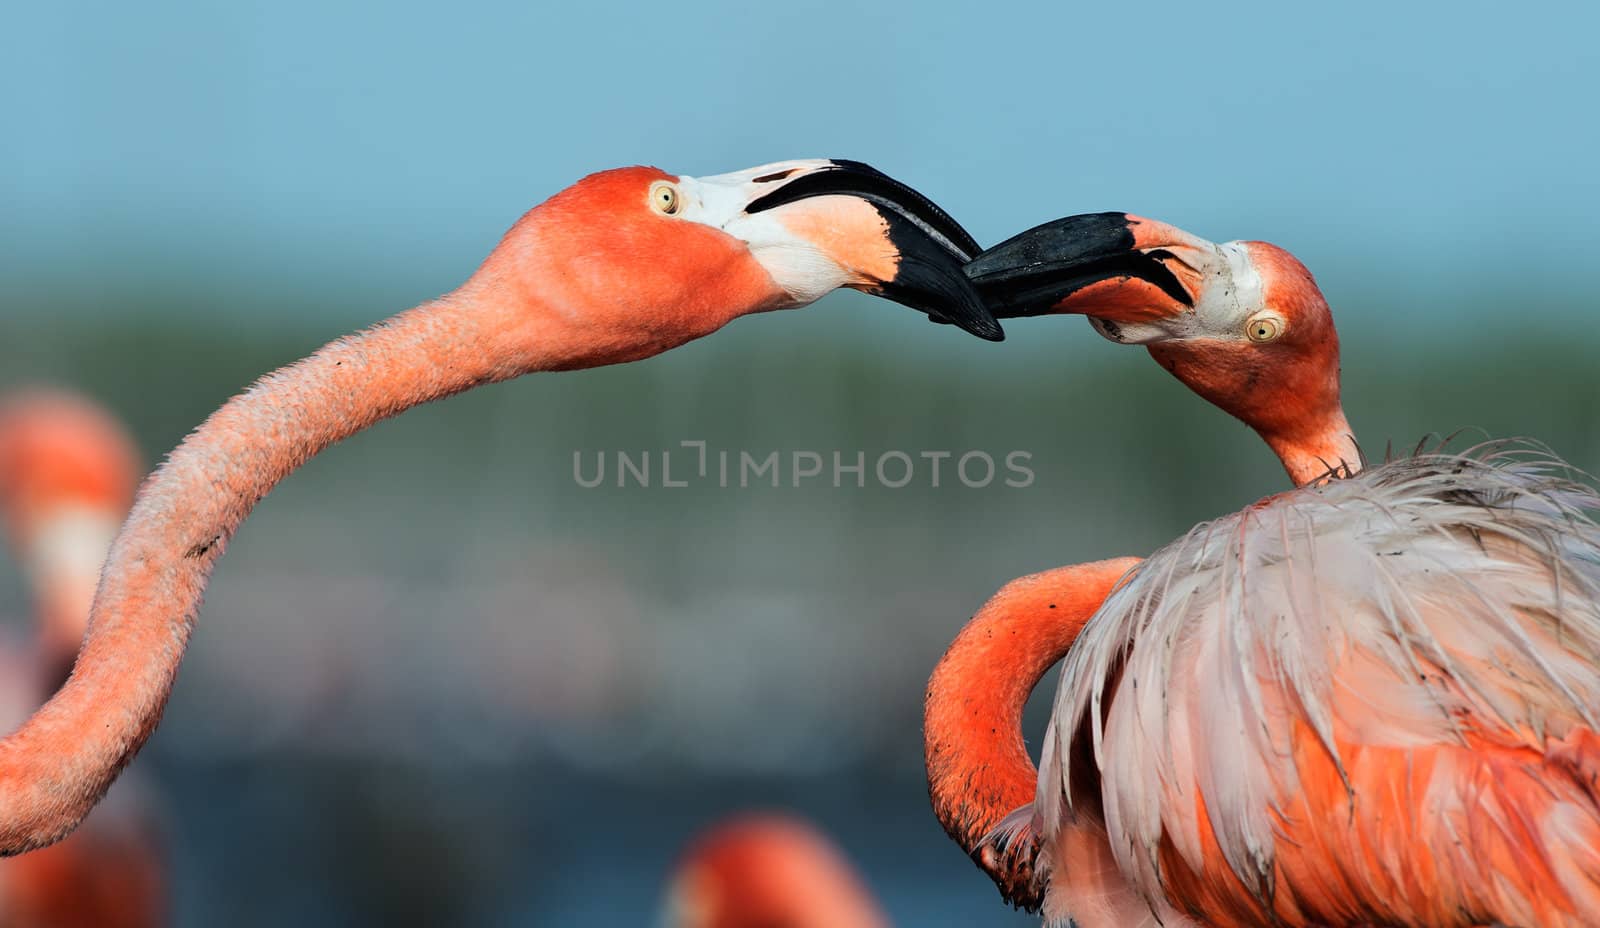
(978, 766)
(61, 761)
(1316, 454)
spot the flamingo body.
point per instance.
(1369, 701)
(1366, 702)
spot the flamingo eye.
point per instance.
(1263, 328)
(664, 198)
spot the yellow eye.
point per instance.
(1263, 328)
(664, 198)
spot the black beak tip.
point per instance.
(987, 328)
(931, 281)
(995, 263)
(1030, 273)
(1068, 240)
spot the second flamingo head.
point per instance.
(1243, 324)
(67, 476)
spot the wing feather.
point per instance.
(1442, 600)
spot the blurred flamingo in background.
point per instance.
(768, 870)
(67, 476)
(1367, 701)
(621, 266)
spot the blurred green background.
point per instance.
(438, 682)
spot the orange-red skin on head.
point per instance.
(635, 282)
(1286, 389)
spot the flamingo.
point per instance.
(67, 476)
(622, 265)
(768, 870)
(1366, 701)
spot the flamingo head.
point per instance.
(67, 476)
(1243, 324)
(652, 260)
(767, 869)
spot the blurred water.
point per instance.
(331, 843)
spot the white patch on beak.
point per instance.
(795, 264)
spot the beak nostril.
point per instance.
(774, 176)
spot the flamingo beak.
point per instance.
(1117, 268)
(927, 248)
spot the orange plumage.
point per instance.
(1371, 700)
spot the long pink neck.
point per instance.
(61, 761)
(1327, 450)
(978, 766)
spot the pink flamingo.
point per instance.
(768, 870)
(620, 266)
(1367, 701)
(67, 476)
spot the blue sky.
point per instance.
(1446, 150)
